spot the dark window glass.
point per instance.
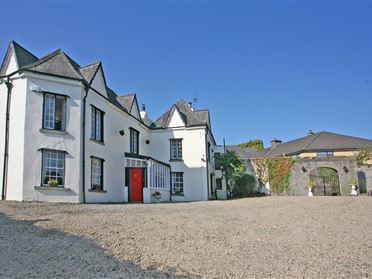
(97, 124)
(176, 149)
(134, 141)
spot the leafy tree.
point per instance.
(362, 156)
(232, 167)
(255, 144)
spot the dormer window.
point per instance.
(54, 112)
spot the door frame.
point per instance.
(144, 180)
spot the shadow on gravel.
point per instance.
(28, 251)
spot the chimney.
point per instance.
(310, 132)
(275, 142)
(145, 118)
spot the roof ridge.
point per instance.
(90, 65)
(316, 137)
(42, 59)
(12, 42)
(71, 62)
(327, 132)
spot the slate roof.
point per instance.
(322, 141)
(127, 100)
(246, 152)
(22, 55)
(189, 116)
(89, 71)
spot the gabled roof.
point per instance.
(189, 116)
(90, 71)
(322, 141)
(56, 63)
(23, 57)
(244, 153)
(127, 101)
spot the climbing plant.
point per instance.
(255, 144)
(279, 170)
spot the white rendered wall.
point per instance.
(193, 165)
(36, 139)
(16, 140)
(112, 150)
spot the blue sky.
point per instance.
(269, 69)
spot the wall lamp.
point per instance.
(303, 169)
(147, 141)
(346, 170)
(121, 132)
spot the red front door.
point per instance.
(135, 185)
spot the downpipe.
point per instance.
(9, 86)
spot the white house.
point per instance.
(67, 137)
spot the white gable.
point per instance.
(12, 66)
(99, 82)
(134, 110)
(176, 119)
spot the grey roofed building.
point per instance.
(189, 116)
(317, 142)
(59, 64)
(246, 152)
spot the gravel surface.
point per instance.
(286, 237)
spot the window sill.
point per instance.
(97, 191)
(53, 132)
(48, 188)
(178, 195)
(176, 160)
(97, 141)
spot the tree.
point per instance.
(232, 167)
(362, 156)
(255, 144)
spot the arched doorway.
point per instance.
(325, 182)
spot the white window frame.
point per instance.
(177, 183)
(50, 109)
(176, 149)
(53, 161)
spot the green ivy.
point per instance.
(256, 145)
(279, 174)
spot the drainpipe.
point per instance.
(9, 85)
(84, 113)
(207, 159)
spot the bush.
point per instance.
(244, 186)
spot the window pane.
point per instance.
(59, 113)
(49, 111)
(93, 124)
(97, 174)
(53, 167)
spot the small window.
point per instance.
(53, 168)
(177, 183)
(134, 141)
(97, 173)
(325, 154)
(54, 112)
(218, 184)
(97, 124)
(176, 149)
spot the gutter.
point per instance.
(9, 85)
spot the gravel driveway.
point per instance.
(259, 237)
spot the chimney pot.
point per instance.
(275, 142)
(310, 132)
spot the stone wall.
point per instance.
(345, 167)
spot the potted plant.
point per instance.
(52, 182)
(353, 184)
(156, 195)
(310, 186)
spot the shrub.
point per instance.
(245, 186)
(256, 145)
